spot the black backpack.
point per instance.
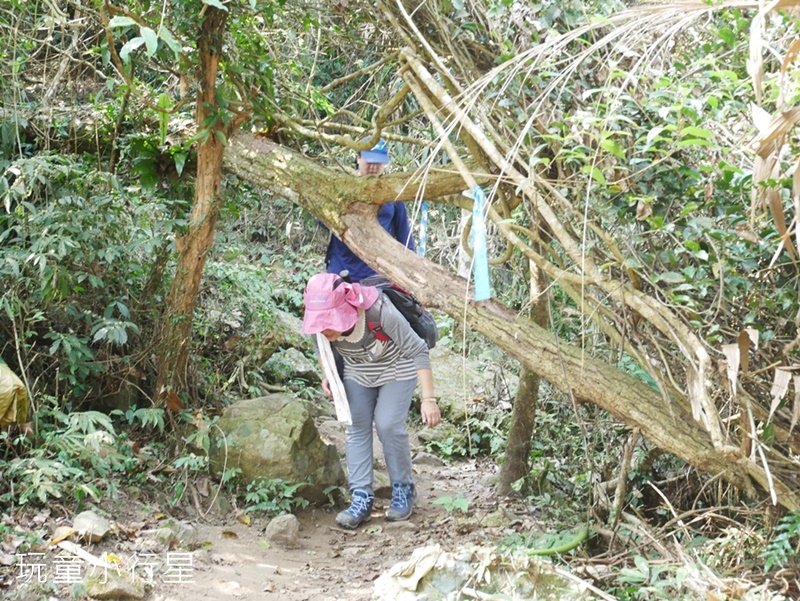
(418, 317)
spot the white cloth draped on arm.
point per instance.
(332, 375)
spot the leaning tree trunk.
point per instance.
(194, 245)
(567, 367)
(518, 443)
(523, 414)
(339, 200)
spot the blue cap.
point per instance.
(378, 154)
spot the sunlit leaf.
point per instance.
(696, 132)
(120, 21)
(595, 174)
(180, 161)
(692, 206)
(62, 533)
(164, 102)
(150, 40)
(613, 147)
(693, 142)
(129, 47)
(216, 4)
(727, 36)
(166, 35)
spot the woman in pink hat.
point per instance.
(380, 375)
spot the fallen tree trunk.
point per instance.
(348, 206)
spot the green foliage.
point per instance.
(646, 580)
(448, 448)
(30, 539)
(487, 436)
(235, 325)
(783, 549)
(627, 364)
(73, 458)
(487, 433)
(191, 462)
(295, 274)
(273, 497)
(451, 504)
(77, 249)
(40, 479)
(145, 417)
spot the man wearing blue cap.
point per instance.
(392, 216)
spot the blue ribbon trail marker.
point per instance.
(480, 261)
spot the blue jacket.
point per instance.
(394, 219)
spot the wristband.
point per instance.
(430, 399)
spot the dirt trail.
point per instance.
(330, 564)
(233, 561)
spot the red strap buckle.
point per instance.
(377, 329)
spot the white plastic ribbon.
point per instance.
(334, 381)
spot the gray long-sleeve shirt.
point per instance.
(372, 362)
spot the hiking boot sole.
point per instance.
(350, 525)
(398, 517)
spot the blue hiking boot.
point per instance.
(360, 510)
(403, 497)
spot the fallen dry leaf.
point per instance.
(173, 402)
(62, 533)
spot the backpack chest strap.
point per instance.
(377, 329)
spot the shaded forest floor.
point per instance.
(230, 556)
(331, 563)
(230, 559)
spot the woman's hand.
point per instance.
(429, 411)
(326, 388)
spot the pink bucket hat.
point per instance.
(333, 304)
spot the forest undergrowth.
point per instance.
(654, 162)
(657, 528)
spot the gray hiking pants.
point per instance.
(388, 407)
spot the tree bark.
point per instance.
(523, 414)
(194, 245)
(520, 431)
(348, 205)
(326, 193)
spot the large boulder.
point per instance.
(274, 437)
(288, 365)
(459, 381)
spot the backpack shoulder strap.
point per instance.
(373, 318)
